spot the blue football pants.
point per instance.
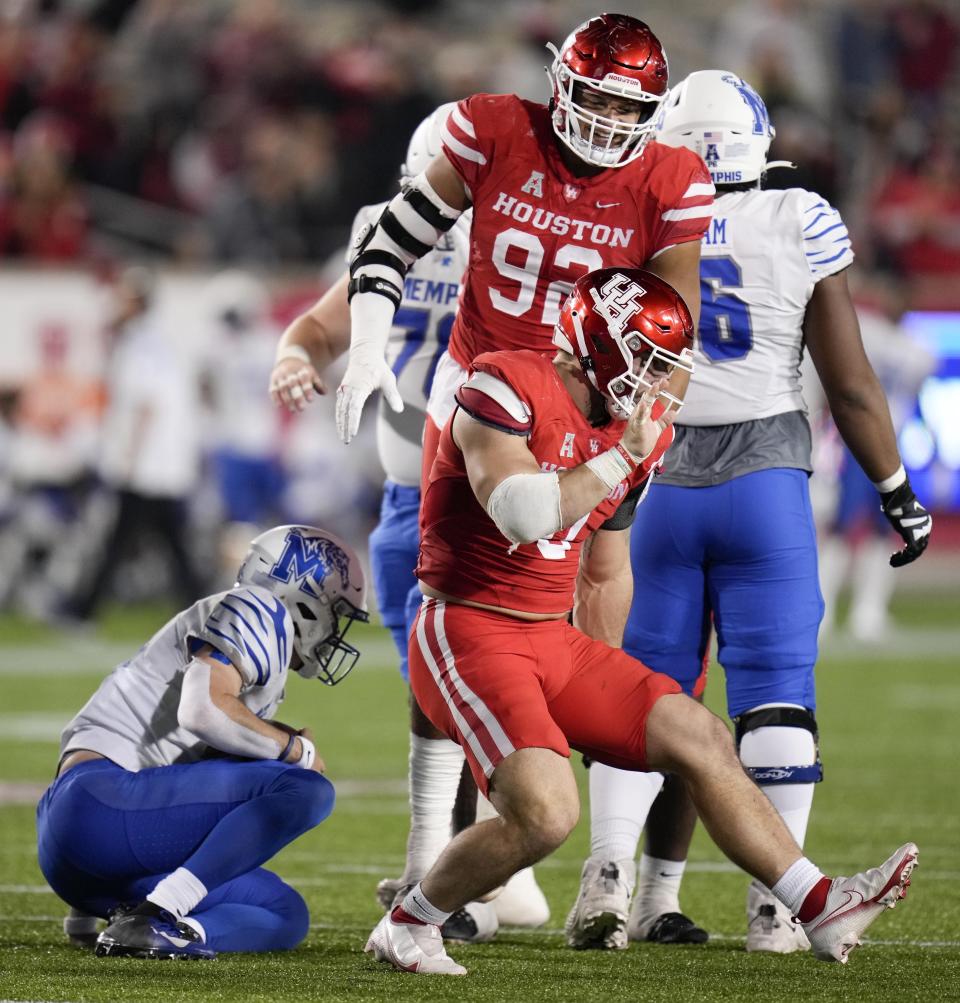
(106, 836)
(740, 554)
(394, 546)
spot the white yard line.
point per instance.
(65, 655)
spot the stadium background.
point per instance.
(196, 137)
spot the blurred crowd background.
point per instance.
(224, 146)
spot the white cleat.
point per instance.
(770, 927)
(522, 903)
(854, 903)
(598, 919)
(411, 947)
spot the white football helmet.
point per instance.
(425, 141)
(724, 120)
(319, 580)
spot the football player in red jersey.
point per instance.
(535, 482)
(557, 191)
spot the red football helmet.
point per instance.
(612, 54)
(627, 328)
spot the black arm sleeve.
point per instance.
(626, 510)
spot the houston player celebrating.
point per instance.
(536, 480)
(729, 527)
(420, 331)
(556, 191)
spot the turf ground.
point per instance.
(890, 744)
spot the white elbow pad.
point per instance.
(200, 715)
(526, 507)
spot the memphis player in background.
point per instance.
(728, 527)
(418, 338)
(175, 785)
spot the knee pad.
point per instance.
(779, 745)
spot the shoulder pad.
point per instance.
(826, 241)
(253, 629)
(494, 402)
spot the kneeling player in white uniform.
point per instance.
(729, 527)
(175, 785)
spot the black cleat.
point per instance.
(460, 927)
(138, 936)
(675, 928)
(474, 923)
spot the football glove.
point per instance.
(363, 377)
(910, 519)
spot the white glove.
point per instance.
(363, 376)
(371, 316)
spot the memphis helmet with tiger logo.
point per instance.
(318, 577)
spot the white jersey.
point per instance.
(132, 718)
(760, 260)
(419, 336)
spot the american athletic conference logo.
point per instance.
(310, 561)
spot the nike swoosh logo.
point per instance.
(176, 941)
(607, 205)
(850, 905)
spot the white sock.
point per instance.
(435, 766)
(179, 892)
(872, 585)
(485, 809)
(834, 560)
(417, 904)
(795, 884)
(620, 801)
(79, 924)
(658, 885)
(777, 746)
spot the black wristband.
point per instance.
(286, 749)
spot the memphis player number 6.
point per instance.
(527, 275)
(726, 330)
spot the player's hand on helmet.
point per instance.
(910, 519)
(366, 373)
(643, 430)
(294, 384)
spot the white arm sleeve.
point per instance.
(526, 507)
(201, 716)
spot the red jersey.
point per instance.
(463, 554)
(537, 228)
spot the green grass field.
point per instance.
(890, 744)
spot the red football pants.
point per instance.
(496, 684)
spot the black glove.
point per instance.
(910, 519)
